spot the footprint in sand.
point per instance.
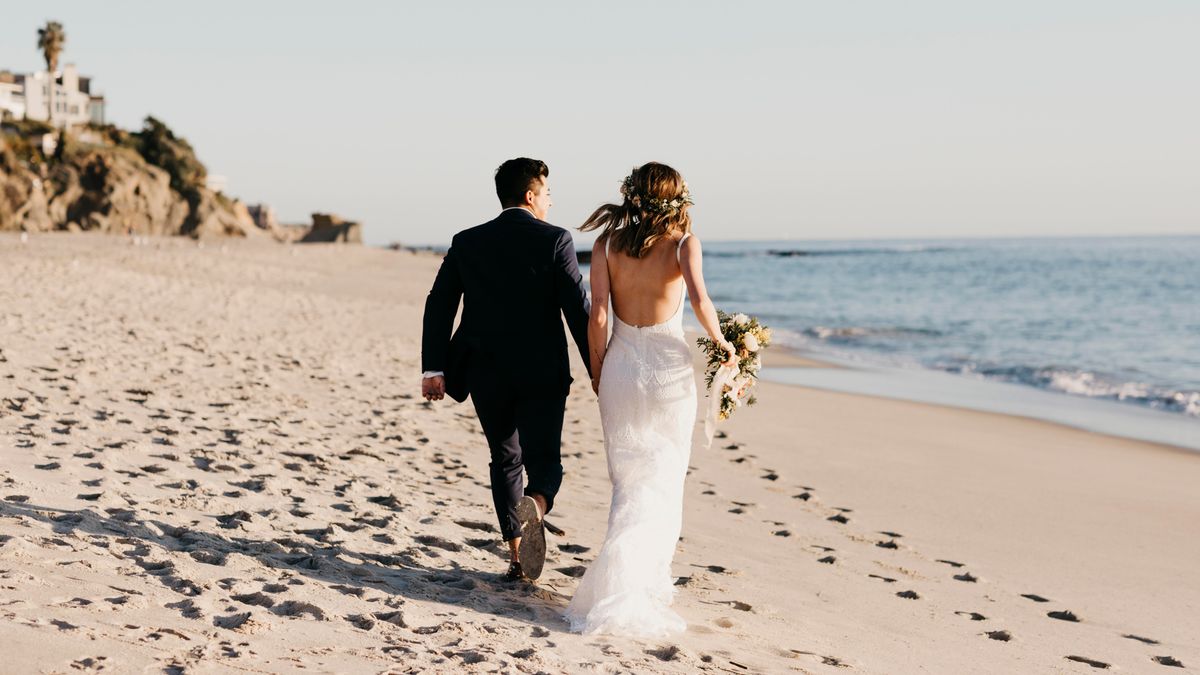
(1035, 597)
(1167, 661)
(208, 557)
(476, 525)
(299, 608)
(828, 560)
(838, 518)
(1091, 662)
(187, 608)
(1001, 635)
(974, 616)
(360, 621)
(240, 622)
(825, 660)
(257, 599)
(356, 591)
(1065, 615)
(91, 664)
(575, 571)
(951, 563)
(395, 618)
(884, 579)
(1146, 640)
(667, 653)
(890, 543)
(966, 576)
(438, 542)
(909, 595)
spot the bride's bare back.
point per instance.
(646, 291)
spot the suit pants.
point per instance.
(524, 434)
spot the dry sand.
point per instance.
(213, 460)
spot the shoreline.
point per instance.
(788, 366)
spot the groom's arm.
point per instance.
(440, 308)
(572, 296)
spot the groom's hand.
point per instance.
(433, 388)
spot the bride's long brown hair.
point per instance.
(646, 214)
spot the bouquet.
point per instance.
(729, 387)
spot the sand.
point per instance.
(214, 459)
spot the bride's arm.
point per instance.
(691, 263)
(598, 320)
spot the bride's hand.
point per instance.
(732, 361)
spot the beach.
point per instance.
(215, 459)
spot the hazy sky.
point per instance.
(790, 119)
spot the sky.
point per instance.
(793, 119)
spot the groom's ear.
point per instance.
(536, 187)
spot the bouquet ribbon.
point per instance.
(724, 377)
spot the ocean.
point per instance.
(1110, 320)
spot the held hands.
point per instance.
(433, 388)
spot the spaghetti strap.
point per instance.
(608, 261)
(679, 245)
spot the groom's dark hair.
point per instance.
(516, 177)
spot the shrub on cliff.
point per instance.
(24, 138)
(159, 146)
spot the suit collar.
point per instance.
(516, 212)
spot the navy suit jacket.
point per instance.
(517, 277)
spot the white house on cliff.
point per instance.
(24, 97)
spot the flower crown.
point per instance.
(665, 206)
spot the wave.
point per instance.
(847, 334)
(1088, 384)
(824, 252)
(886, 345)
(796, 253)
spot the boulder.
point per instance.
(329, 228)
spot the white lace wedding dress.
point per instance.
(648, 412)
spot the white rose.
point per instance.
(751, 342)
(741, 319)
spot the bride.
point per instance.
(644, 258)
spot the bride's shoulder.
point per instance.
(600, 246)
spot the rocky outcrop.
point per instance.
(329, 228)
(108, 180)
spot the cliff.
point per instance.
(106, 179)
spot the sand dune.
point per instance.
(214, 460)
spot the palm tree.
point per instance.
(50, 40)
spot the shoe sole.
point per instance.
(533, 538)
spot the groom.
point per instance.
(517, 277)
